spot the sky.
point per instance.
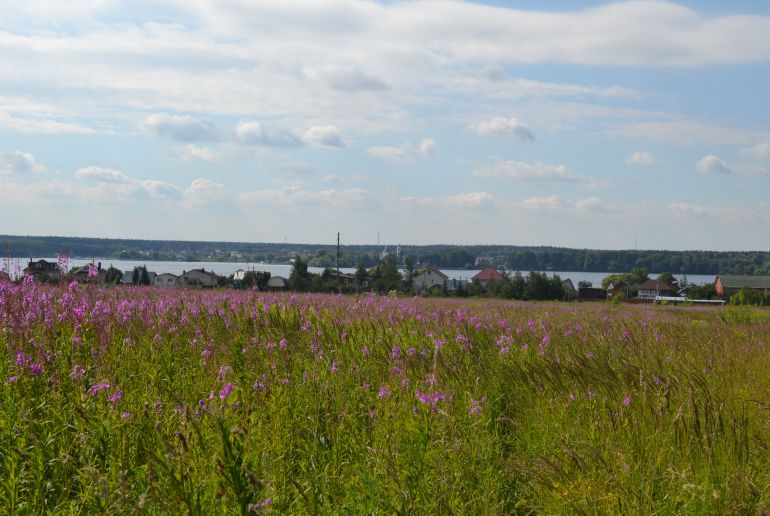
(610, 125)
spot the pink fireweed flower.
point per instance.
(225, 392)
(432, 399)
(36, 369)
(116, 397)
(78, 372)
(94, 389)
(384, 392)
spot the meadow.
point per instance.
(146, 401)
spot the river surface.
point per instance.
(228, 268)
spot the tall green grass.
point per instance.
(377, 405)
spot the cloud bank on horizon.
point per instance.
(582, 124)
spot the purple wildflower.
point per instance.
(78, 371)
(384, 392)
(225, 392)
(627, 401)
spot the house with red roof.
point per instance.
(486, 276)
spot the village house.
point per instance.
(83, 274)
(166, 279)
(429, 278)
(277, 283)
(198, 277)
(619, 288)
(653, 288)
(487, 276)
(592, 294)
(42, 267)
(728, 284)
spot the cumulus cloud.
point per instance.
(552, 203)
(19, 161)
(641, 158)
(252, 133)
(523, 171)
(502, 125)
(106, 175)
(323, 136)
(193, 152)
(115, 182)
(713, 165)
(405, 152)
(181, 127)
(203, 191)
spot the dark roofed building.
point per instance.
(592, 294)
(652, 288)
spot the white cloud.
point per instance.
(323, 136)
(758, 151)
(106, 175)
(113, 184)
(713, 165)
(252, 133)
(193, 152)
(19, 161)
(502, 125)
(523, 171)
(40, 124)
(183, 128)
(473, 200)
(204, 191)
(405, 152)
(618, 33)
(552, 203)
(641, 158)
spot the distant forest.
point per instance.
(522, 258)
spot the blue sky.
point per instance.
(581, 123)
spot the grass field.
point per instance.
(152, 401)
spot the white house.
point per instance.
(166, 280)
(198, 277)
(427, 279)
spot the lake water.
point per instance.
(228, 268)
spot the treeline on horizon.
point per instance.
(510, 257)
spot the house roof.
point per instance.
(567, 283)
(653, 284)
(736, 281)
(488, 274)
(432, 270)
(201, 271)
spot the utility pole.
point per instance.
(338, 252)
